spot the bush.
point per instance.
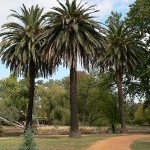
(28, 142)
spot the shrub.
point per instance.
(28, 141)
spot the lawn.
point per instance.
(55, 142)
(142, 144)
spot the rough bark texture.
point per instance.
(74, 127)
(113, 127)
(31, 93)
(121, 102)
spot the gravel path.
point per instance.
(117, 143)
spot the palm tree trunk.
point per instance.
(113, 127)
(74, 127)
(121, 102)
(31, 93)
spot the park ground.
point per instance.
(86, 142)
(93, 138)
(117, 143)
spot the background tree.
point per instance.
(13, 99)
(16, 91)
(72, 34)
(139, 116)
(97, 101)
(84, 85)
(8, 111)
(53, 101)
(147, 114)
(130, 109)
(138, 18)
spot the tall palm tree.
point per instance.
(73, 35)
(125, 52)
(19, 48)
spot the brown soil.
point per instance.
(117, 143)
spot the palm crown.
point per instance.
(125, 50)
(72, 34)
(19, 45)
(20, 49)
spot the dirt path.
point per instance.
(117, 143)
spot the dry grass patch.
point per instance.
(64, 130)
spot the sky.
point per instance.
(105, 7)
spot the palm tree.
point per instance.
(19, 48)
(125, 52)
(73, 35)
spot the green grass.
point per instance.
(54, 142)
(142, 144)
(10, 134)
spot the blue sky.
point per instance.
(105, 7)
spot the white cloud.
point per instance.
(105, 6)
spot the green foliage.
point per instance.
(147, 114)
(84, 85)
(13, 96)
(130, 109)
(97, 103)
(139, 114)
(114, 19)
(28, 141)
(52, 100)
(138, 18)
(8, 110)
(8, 88)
